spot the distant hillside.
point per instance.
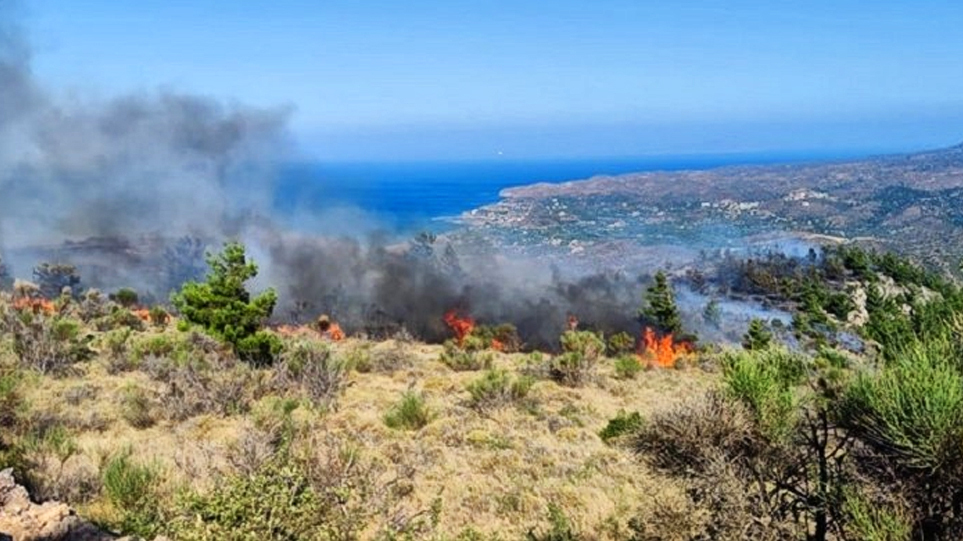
(912, 203)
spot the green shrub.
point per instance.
(259, 349)
(131, 490)
(223, 306)
(496, 388)
(621, 425)
(764, 382)
(126, 297)
(159, 316)
(576, 365)
(472, 356)
(758, 336)
(627, 366)
(560, 528)
(410, 413)
(620, 343)
(868, 521)
(276, 502)
(912, 410)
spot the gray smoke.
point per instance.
(378, 288)
(145, 163)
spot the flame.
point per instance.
(572, 322)
(335, 333)
(462, 327)
(143, 314)
(35, 305)
(497, 345)
(663, 351)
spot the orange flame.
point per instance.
(663, 351)
(35, 305)
(497, 345)
(335, 333)
(572, 322)
(462, 327)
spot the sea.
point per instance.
(430, 195)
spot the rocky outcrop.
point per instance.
(23, 520)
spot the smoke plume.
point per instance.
(158, 162)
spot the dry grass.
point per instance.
(495, 469)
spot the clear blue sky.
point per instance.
(453, 79)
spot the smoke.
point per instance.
(379, 288)
(159, 162)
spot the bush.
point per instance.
(310, 368)
(871, 522)
(131, 491)
(912, 411)
(471, 357)
(497, 388)
(126, 297)
(576, 365)
(560, 528)
(764, 381)
(55, 278)
(47, 344)
(135, 407)
(223, 306)
(277, 502)
(627, 366)
(620, 344)
(622, 424)
(260, 349)
(410, 413)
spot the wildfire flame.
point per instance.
(497, 345)
(572, 322)
(664, 351)
(35, 305)
(461, 326)
(335, 333)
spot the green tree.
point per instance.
(758, 336)
(224, 307)
(712, 313)
(660, 307)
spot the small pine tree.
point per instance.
(712, 314)
(758, 336)
(224, 307)
(660, 307)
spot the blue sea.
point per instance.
(414, 196)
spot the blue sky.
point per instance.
(448, 79)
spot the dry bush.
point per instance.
(49, 344)
(384, 358)
(137, 407)
(311, 369)
(192, 390)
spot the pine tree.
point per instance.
(758, 336)
(712, 314)
(660, 308)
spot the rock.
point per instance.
(23, 520)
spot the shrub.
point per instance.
(119, 318)
(627, 366)
(868, 521)
(125, 297)
(560, 528)
(576, 365)
(471, 357)
(758, 336)
(764, 381)
(276, 502)
(130, 488)
(383, 358)
(223, 306)
(47, 344)
(159, 316)
(310, 368)
(410, 413)
(912, 411)
(621, 425)
(55, 278)
(135, 407)
(497, 388)
(620, 343)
